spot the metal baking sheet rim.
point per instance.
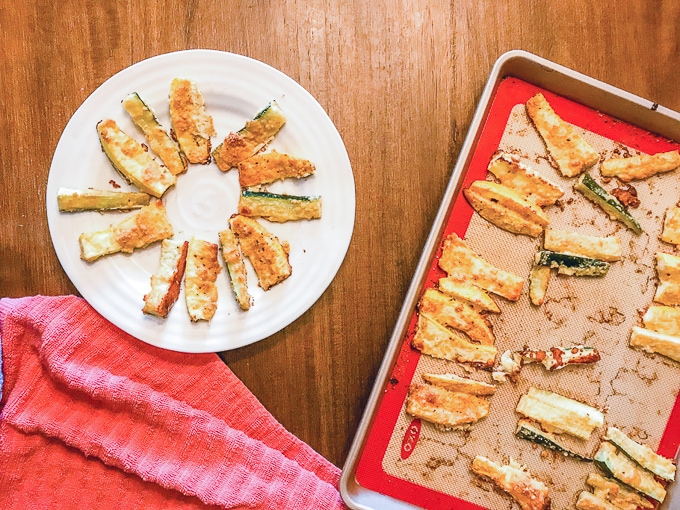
(555, 78)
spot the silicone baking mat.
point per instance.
(414, 461)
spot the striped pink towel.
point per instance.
(93, 418)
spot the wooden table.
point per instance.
(400, 80)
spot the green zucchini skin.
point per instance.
(270, 110)
(643, 455)
(158, 139)
(279, 208)
(621, 467)
(530, 433)
(276, 196)
(590, 189)
(571, 264)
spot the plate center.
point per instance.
(202, 201)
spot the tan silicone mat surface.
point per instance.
(636, 391)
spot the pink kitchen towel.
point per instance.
(90, 417)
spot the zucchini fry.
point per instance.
(268, 256)
(268, 167)
(279, 208)
(653, 342)
(236, 268)
(620, 496)
(671, 226)
(663, 319)
(454, 382)
(456, 314)
(506, 208)
(570, 151)
(539, 279)
(160, 142)
(166, 281)
(601, 248)
(191, 123)
(438, 341)
(589, 501)
(465, 266)
(641, 166)
(559, 414)
(148, 225)
(75, 200)
(616, 211)
(526, 181)
(250, 139)
(200, 275)
(571, 265)
(475, 296)
(668, 273)
(642, 454)
(529, 493)
(446, 408)
(133, 161)
(525, 430)
(621, 467)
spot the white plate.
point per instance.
(235, 89)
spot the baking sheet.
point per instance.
(413, 463)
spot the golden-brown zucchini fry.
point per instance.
(640, 166)
(191, 123)
(569, 150)
(144, 227)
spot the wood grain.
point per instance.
(400, 80)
